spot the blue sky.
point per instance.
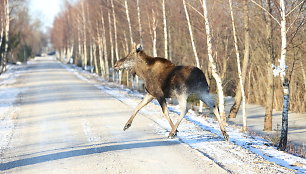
(45, 10)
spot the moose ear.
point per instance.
(133, 46)
(139, 48)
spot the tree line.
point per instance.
(20, 35)
(240, 45)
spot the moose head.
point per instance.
(130, 60)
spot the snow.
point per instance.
(8, 97)
(203, 134)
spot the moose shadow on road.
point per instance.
(87, 150)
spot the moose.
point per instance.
(163, 79)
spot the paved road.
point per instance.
(65, 125)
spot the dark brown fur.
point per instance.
(162, 79)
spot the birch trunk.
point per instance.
(79, 44)
(140, 36)
(238, 97)
(239, 68)
(270, 82)
(193, 45)
(127, 51)
(95, 58)
(84, 37)
(285, 81)
(165, 30)
(154, 26)
(139, 22)
(6, 36)
(105, 48)
(129, 21)
(115, 37)
(111, 45)
(213, 66)
(131, 38)
(91, 57)
(100, 49)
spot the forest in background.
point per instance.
(20, 34)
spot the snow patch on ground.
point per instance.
(247, 153)
(8, 97)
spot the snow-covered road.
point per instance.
(66, 125)
(67, 121)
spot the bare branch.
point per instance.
(295, 8)
(195, 10)
(266, 11)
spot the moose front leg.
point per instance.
(147, 99)
(163, 104)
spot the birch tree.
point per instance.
(111, 44)
(153, 34)
(238, 67)
(213, 66)
(282, 68)
(115, 36)
(105, 52)
(139, 22)
(194, 49)
(281, 71)
(5, 35)
(84, 36)
(165, 29)
(238, 97)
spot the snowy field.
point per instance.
(200, 133)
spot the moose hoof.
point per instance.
(225, 135)
(172, 135)
(127, 125)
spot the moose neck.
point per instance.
(146, 67)
(141, 67)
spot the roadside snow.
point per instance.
(243, 154)
(8, 97)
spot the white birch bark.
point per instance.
(91, 57)
(193, 45)
(94, 47)
(129, 21)
(154, 26)
(105, 47)
(84, 36)
(283, 67)
(239, 68)
(6, 35)
(165, 30)
(79, 42)
(213, 65)
(139, 22)
(100, 50)
(115, 37)
(111, 45)
(127, 51)
(140, 36)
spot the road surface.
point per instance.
(65, 125)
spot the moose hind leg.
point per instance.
(147, 99)
(209, 101)
(183, 108)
